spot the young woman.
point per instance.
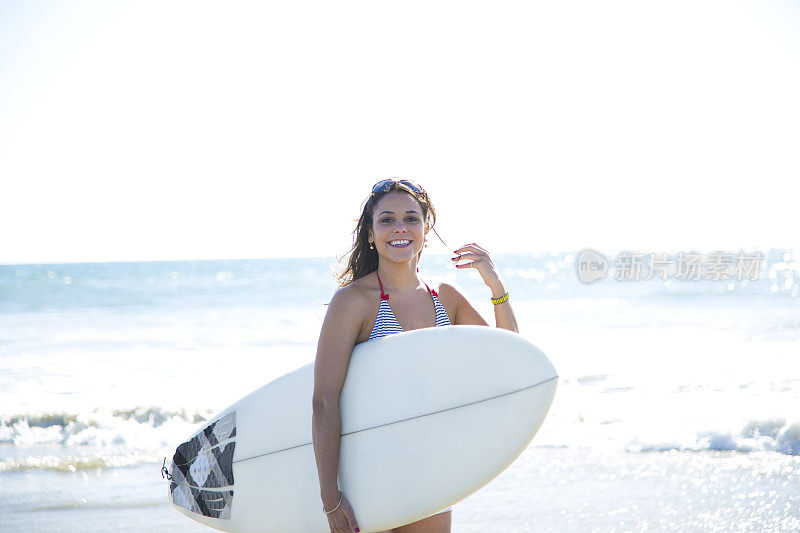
(388, 243)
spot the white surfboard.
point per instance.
(428, 417)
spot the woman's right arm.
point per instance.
(336, 340)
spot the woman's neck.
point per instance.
(398, 276)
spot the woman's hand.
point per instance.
(343, 519)
(482, 263)
(465, 313)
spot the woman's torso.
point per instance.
(416, 312)
(401, 312)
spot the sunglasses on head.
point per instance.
(388, 184)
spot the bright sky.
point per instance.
(192, 130)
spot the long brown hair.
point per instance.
(360, 259)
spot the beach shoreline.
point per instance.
(545, 489)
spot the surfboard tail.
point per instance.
(202, 463)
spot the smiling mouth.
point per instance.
(399, 243)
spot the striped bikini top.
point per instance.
(386, 323)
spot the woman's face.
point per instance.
(398, 227)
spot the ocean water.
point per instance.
(678, 405)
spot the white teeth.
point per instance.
(399, 242)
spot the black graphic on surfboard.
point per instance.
(210, 469)
(211, 503)
(200, 463)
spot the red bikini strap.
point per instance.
(431, 290)
(383, 296)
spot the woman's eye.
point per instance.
(411, 219)
(385, 220)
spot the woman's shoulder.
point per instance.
(450, 294)
(348, 310)
(355, 294)
(458, 305)
(447, 289)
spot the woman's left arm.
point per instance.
(466, 314)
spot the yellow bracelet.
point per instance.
(498, 301)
